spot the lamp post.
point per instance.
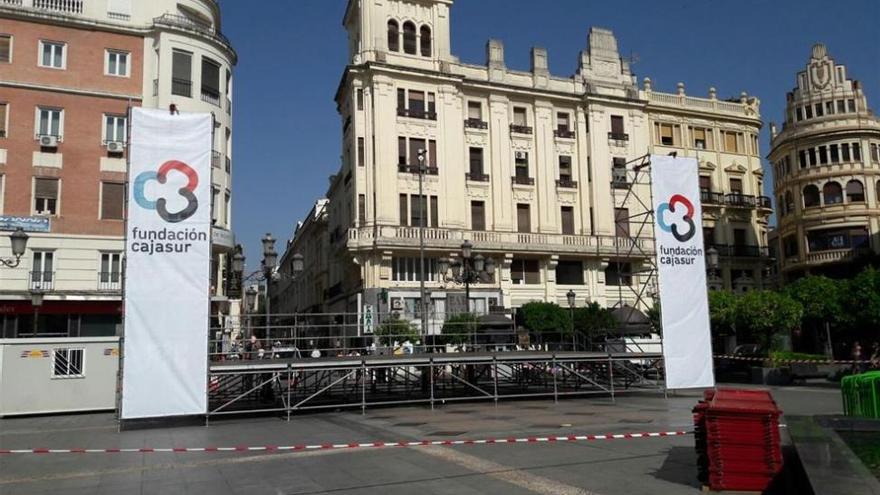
(36, 302)
(712, 261)
(571, 296)
(250, 299)
(423, 203)
(18, 241)
(270, 259)
(470, 269)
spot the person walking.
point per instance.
(875, 356)
(857, 357)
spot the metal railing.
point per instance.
(181, 87)
(109, 281)
(741, 250)
(42, 280)
(711, 198)
(476, 124)
(416, 114)
(523, 181)
(476, 176)
(414, 169)
(567, 183)
(210, 96)
(618, 136)
(520, 129)
(564, 133)
(179, 21)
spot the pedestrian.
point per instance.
(875, 356)
(857, 357)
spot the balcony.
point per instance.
(618, 136)
(711, 198)
(183, 22)
(523, 181)
(738, 200)
(476, 124)
(520, 129)
(181, 87)
(216, 159)
(564, 134)
(44, 281)
(416, 114)
(414, 169)
(516, 242)
(765, 203)
(566, 184)
(109, 281)
(476, 177)
(620, 183)
(59, 6)
(741, 251)
(210, 96)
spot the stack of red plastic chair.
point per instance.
(737, 439)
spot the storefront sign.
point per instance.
(28, 224)
(168, 253)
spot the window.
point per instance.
(664, 134)
(702, 138)
(565, 169)
(789, 202)
(117, 63)
(621, 222)
(808, 112)
(5, 48)
(110, 276)
(404, 210)
(519, 116)
(799, 114)
(401, 101)
(790, 246)
(393, 36)
(835, 153)
(856, 152)
(829, 107)
(416, 145)
(812, 154)
(841, 106)
(618, 274)
(360, 152)
(811, 196)
(45, 196)
(425, 41)
(851, 105)
(49, 122)
(823, 155)
(833, 193)
(401, 151)
(409, 269)
(705, 183)
(416, 209)
(802, 158)
(523, 218)
(210, 81)
(362, 210)
(3, 113)
(525, 271)
(42, 270)
(819, 110)
(844, 152)
(617, 127)
(476, 163)
(416, 103)
(569, 272)
(563, 124)
(567, 217)
(731, 143)
(435, 212)
(841, 238)
(875, 149)
(736, 186)
(708, 235)
(478, 215)
(115, 128)
(409, 38)
(855, 192)
(68, 363)
(112, 201)
(52, 54)
(215, 206)
(475, 110)
(521, 164)
(618, 173)
(181, 73)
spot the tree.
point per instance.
(655, 315)
(396, 329)
(592, 318)
(766, 313)
(821, 297)
(459, 328)
(723, 311)
(544, 318)
(863, 301)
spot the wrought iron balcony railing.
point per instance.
(564, 133)
(567, 183)
(477, 176)
(476, 124)
(523, 181)
(520, 129)
(414, 169)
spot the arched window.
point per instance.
(789, 202)
(833, 193)
(409, 38)
(393, 36)
(425, 40)
(855, 192)
(811, 196)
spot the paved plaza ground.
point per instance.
(664, 465)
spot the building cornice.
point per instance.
(72, 91)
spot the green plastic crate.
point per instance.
(861, 395)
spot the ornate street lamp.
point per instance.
(250, 299)
(572, 298)
(18, 241)
(36, 302)
(467, 270)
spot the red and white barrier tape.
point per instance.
(792, 361)
(365, 445)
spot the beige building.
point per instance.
(826, 163)
(531, 168)
(70, 71)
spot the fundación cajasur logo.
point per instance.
(677, 202)
(160, 204)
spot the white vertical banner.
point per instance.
(681, 266)
(168, 256)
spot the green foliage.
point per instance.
(544, 318)
(862, 307)
(765, 313)
(655, 318)
(821, 297)
(396, 329)
(723, 311)
(798, 356)
(458, 329)
(593, 318)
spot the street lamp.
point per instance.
(572, 297)
(36, 302)
(469, 269)
(18, 241)
(250, 299)
(270, 259)
(422, 207)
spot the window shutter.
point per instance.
(435, 212)
(2, 119)
(568, 220)
(112, 201)
(523, 218)
(210, 76)
(5, 42)
(478, 215)
(616, 124)
(404, 210)
(182, 66)
(46, 188)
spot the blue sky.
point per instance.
(292, 54)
